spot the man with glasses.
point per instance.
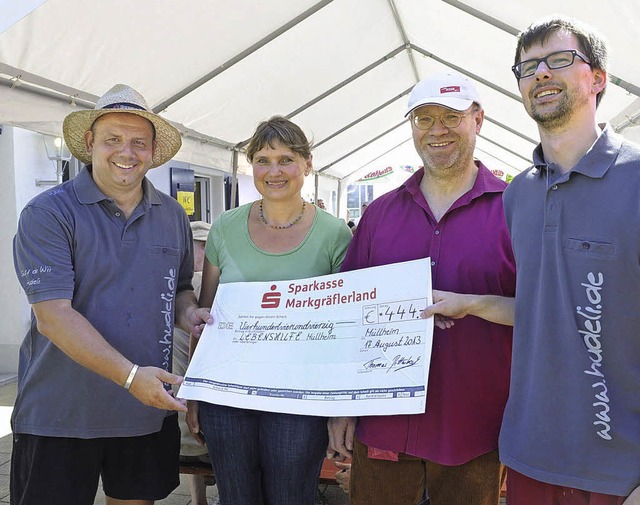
(571, 430)
(450, 211)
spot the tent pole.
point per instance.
(315, 182)
(242, 55)
(362, 118)
(234, 179)
(326, 167)
(615, 80)
(405, 38)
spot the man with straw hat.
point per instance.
(106, 262)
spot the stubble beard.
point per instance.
(443, 172)
(449, 169)
(557, 118)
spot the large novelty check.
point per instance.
(347, 344)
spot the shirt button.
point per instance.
(437, 232)
(117, 214)
(586, 245)
(433, 263)
(164, 250)
(554, 187)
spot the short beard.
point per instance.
(555, 119)
(559, 117)
(451, 172)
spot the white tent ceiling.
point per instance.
(342, 69)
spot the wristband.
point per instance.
(132, 374)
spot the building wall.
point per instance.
(160, 177)
(23, 160)
(247, 191)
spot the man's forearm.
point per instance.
(497, 309)
(77, 338)
(493, 308)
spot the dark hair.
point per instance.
(282, 130)
(591, 43)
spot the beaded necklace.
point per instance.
(278, 227)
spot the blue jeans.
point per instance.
(264, 458)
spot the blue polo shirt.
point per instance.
(122, 275)
(573, 413)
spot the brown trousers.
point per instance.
(402, 482)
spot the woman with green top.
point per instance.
(265, 458)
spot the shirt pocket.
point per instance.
(162, 258)
(163, 249)
(590, 247)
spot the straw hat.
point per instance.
(200, 230)
(120, 98)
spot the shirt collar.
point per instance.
(88, 192)
(485, 182)
(596, 161)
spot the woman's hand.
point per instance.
(341, 434)
(197, 319)
(192, 421)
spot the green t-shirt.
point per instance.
(230, 248)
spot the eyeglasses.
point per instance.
(553, 61)
(448, 120)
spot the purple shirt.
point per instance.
(471, 252)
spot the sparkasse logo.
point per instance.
(271, 299)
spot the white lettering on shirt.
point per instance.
(591, 335)
(167, 313)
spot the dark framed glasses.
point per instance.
(553, 61)
(448, 120)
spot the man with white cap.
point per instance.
(450, 211)
(106, 263)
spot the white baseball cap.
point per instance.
(448, 89)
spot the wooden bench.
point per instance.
(196, 468)
(328, 472)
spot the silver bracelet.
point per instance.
(132, 374)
